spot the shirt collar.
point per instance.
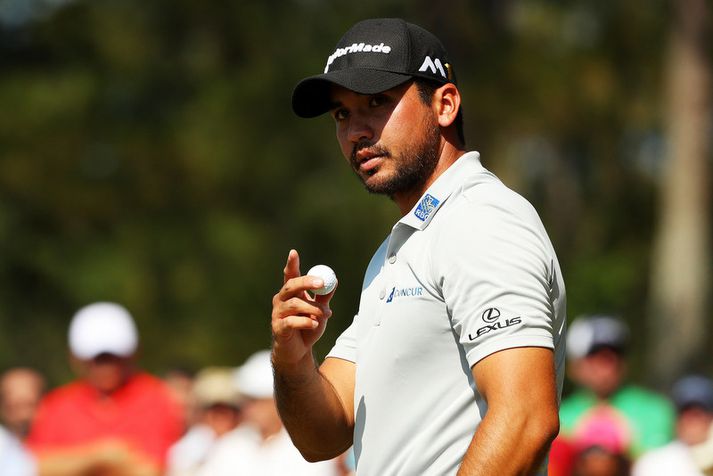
(443, 187)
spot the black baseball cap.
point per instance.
(590, 333)
(693, 390)
(373, 56)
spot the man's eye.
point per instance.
(340, 114)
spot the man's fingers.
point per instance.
(297, 306)
(288, 324)
(296, 287)
(292, 267)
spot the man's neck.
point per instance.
(406, 200)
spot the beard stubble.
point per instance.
(413, 166)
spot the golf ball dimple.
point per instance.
(328, 277)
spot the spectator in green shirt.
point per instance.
(597, 347)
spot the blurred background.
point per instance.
(149, 156)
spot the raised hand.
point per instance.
(298, 318)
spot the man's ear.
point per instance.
(447, 104)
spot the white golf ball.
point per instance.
(327, 275)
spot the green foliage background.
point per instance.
(149, 155)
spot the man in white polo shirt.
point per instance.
(454, 361)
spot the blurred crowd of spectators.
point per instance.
(118, 420)
(610, 427)
(115, 419)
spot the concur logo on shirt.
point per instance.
(426, 206)
(404, 292)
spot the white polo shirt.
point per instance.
(468, 272)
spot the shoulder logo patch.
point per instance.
(426, 206)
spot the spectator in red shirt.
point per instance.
(114, 419)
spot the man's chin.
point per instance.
(385, 191)
(373, 185)
(383, 183)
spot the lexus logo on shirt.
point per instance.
(491, 315)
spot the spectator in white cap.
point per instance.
(114, 416)
(691, 453)
(597, 348)
(260, 446)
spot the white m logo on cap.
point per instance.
(433, 65)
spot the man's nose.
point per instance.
(359, 130)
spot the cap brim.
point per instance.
(311, 95)
(91, 354)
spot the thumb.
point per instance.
(325, 298)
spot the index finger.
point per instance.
(292, 267)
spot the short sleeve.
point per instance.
(346, 345)
(496, 269)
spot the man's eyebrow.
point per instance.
(334, 104)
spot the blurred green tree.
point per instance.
(681, 277)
